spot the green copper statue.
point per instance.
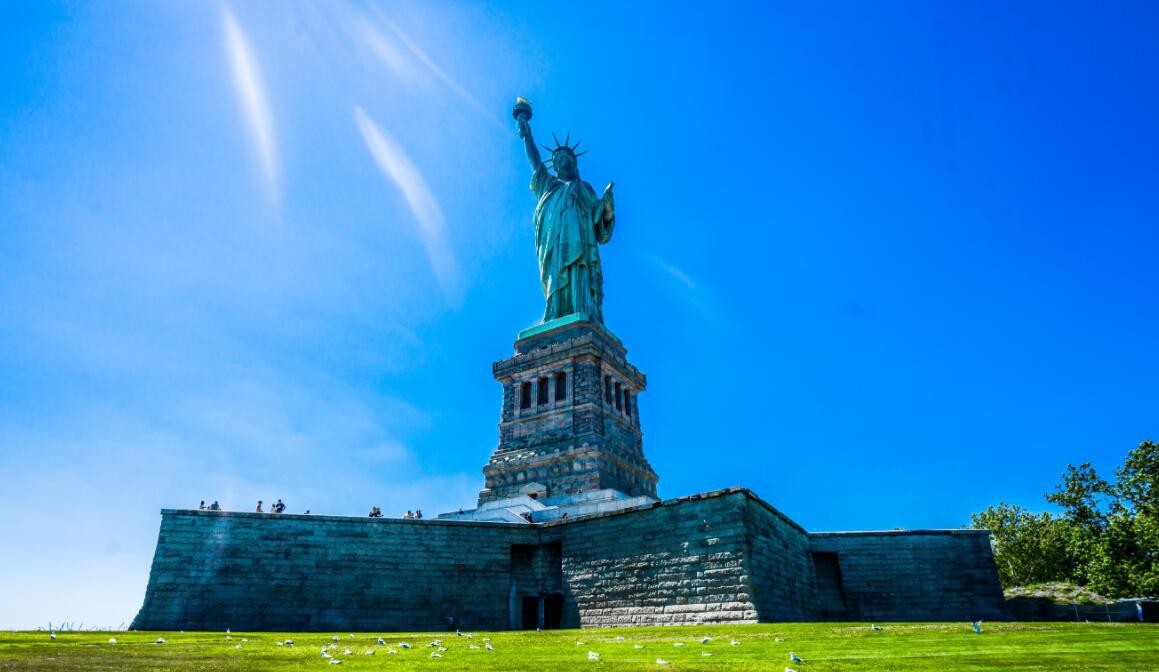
(570, 223)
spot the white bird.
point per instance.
(734, 643)
(779, 639)
(795, 658)
(324, 654)
(333, 646)
(592, 655)
(472, 646)
(661, 661)
(228, 637)
(678, 644)
(160, 640)
(705, 640)
(789, 669)
(237, 646)
(381, 641)
(977, 627)
(619, 639)
(334, 638)
(705, 653)
(403, 645)
(488, 646)
(288, 642)
(335, 661)
(458, 633)
(442, 648)
(875, 627)
(348, 652)
(470, 636)
(486, 639)
(368, 652)
(113, 640)
(226, 631)
(352, 635)
(52, 635)
(278, 644)
(638, 646)
(578, 643)
(435, 654)
(391, 651)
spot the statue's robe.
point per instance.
(570, 224)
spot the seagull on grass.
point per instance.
(368, 652)
(288, 642)
(472, 646)
(113, 640)
(661, 661)
(335, 661)
(381, 641)
(876, 628)
(678, 644)
(237, 646)
(795, 658)
(488, 646)
(592, 655)
(52, 635)
(705, 640)
(638, 646)
(734, 643)
(779, 639)
(334, 638)
(160, 640)
(325, 654)
(436, 654)
(789, 669)
(391, 651)
(348, 652)
(977, 627)
(403, 645)
(705, 653)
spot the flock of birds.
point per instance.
(329, 652)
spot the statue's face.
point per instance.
(565, 165)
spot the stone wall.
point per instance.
(675, 562)
(719, 557)
(252, 571)
(921, 575)
(782, 578)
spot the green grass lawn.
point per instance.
(1052, 647)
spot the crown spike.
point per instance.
(567, 140)
(555, 137)
(576, 145)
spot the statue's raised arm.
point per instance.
(522, 114)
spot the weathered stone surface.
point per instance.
(720, 557)
(583, 437)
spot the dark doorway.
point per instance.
(530, 613)
(830, 587)
(552, 611)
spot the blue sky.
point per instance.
(883, 263)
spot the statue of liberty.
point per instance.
(570, 224)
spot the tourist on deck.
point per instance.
(279, 507)
(408, 515)
(418, 513)
(201, 506)
(259, 509)
(375, 512)
(215, 506)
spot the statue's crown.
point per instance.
(565, 146)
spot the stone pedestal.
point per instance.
(570, 420)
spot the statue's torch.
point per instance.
(522, 110)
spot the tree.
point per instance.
(1106, 538)
(1028, 548)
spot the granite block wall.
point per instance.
(920, 575)
(676, 562)
(720, 557)
(252, 571)
(782, 577)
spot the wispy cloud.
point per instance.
(397, 167)
(690, 291)
(434, 67)
(676, 273)
(247, 78)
